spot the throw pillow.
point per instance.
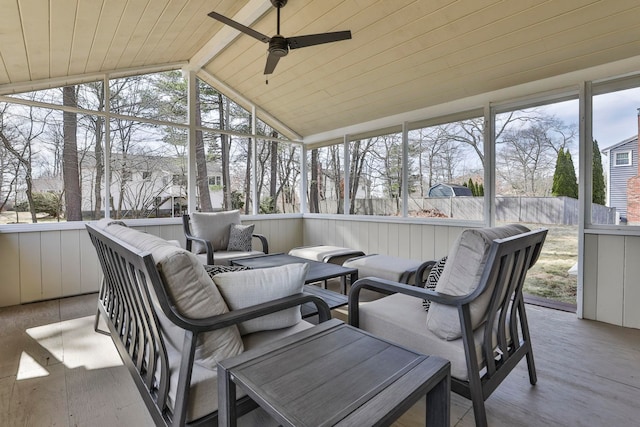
(193, 293)
(240, 237)
(246, 288)
(213, 270)
(432, 279)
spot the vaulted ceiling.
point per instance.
(404, 54)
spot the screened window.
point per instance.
(446, 170)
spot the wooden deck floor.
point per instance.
(54, 370)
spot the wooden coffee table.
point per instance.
(335, 374)
(318, 271)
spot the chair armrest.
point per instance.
(238, 316)
(207, 244)
(420, 277)
(376, 284)
(263, 240)
(191, 238)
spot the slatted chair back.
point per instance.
(126, 302)
(508, 341)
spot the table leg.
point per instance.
(352, 279)
(439, 404)
(226, 399)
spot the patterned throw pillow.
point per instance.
(432, 279)
(212, 270)
(240, 237)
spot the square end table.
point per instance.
(335, 374)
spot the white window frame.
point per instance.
(629, 158)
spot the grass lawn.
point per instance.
(549, 278)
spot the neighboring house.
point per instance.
(622, 165)
(141, 185)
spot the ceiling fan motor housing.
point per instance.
(278, 3)
(278, 46)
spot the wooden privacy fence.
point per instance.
(540, 210)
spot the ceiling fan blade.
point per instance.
(315, 39)
(272, 61)
(238, 26)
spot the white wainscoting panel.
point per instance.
(396, 238)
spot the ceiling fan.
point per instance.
(278, 45)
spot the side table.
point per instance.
(335, 374)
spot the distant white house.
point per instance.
(141, 185)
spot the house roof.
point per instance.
(620, 144)
(405, 55)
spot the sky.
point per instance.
(615, 115)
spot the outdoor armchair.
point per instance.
(219, 237)
(476, 317)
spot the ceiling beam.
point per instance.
(250, 13)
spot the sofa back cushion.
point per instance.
(214, 227)
(461, 276)
(246, 288)
(191, 290)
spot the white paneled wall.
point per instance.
(400, 238)
(42, 265)
(612, 279)
(38, 265)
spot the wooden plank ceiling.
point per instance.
(404, 55)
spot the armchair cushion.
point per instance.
(245, 288)
(240, 237)
(192, 291)
(461, 276)
(395, 317)
(432, 279)
(214, 227)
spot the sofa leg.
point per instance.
(479, 412)
(95, 325)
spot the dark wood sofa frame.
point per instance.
(507, 264)
(131, 292)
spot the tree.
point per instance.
(18, 140)
(564, 178)
(598, 186)
(70, 168)
(313, 185)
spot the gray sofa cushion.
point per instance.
(203, 397)
(246, 288)
(193, 293)
(397, 318)
(461, 276)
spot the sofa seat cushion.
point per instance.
(225, 257)
(191, 290)
(257, 339)
(246, 288)
(203, 395)
(461, 276)
(401, 319)
(214, 227)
